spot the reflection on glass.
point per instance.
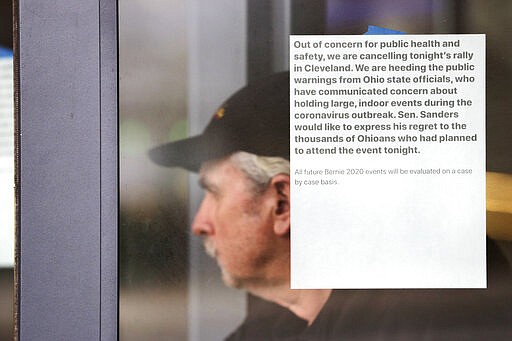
(6, 173)
(6, 159)
(153, 203)
(172, 71)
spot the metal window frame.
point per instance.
(66, 169)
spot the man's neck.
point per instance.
(306, 304)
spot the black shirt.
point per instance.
(417, 314)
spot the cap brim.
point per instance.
(189, 153)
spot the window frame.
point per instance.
(66, 182)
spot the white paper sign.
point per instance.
(388, 161)
(6, 163)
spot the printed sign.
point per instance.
(388, 161)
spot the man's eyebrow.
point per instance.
(207, 185)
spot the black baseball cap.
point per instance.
(256, 119)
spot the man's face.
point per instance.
(235, 223)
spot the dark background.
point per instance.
(6, 23)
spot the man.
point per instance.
(244, 219)
(245, 215)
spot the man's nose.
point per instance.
(202, 224)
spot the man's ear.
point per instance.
(280, 185)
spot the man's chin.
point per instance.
(227, 278)
(231, 281)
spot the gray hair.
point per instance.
(260, 169)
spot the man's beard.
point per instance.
(209, 247)
(228, 279)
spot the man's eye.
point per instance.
(212, 194)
